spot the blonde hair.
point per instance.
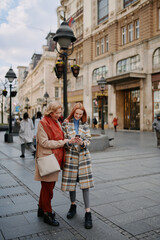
(52, 107)
(75, 107)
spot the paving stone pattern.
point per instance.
(125, 201)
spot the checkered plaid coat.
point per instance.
(77, 159)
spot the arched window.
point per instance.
(128, 64)
(156, 58)
(98, 73)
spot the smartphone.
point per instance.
(77, 135)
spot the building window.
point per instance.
(102, 45)
(126, 3)
(159, 18)
(122, 66)
(102, 10)
(157, 100)
(124, 35)
(56, 92)
(128, 64)
(79, 57)
(134, 62)
(130, 32)
(79, 83)
(107, 44)
(98, 73)
(156, 58)
(137, 29)
(97, 48)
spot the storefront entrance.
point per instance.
(97, 110)
(132, 109)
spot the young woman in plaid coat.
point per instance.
(77, 167)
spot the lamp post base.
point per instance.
(102, 131)
(8, 137)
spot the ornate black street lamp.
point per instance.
(27, 103)
(46, 96)
(102, 86)
(64, 37)
(10, 75)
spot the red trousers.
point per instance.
(46, 195)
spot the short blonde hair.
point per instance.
(52, 107)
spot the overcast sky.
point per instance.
(24, 25)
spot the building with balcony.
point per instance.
(37, 79)
(119, 40)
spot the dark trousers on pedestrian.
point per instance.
(158, 138)
(46, 196)
(29, 146)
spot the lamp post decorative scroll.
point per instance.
(102, 86)
(10, 75)
(64, 37)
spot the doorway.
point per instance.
(132, 109)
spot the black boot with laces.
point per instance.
(72, 211)
(40, 213)
(49, 219)
(88, 220)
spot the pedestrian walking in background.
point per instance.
(77, 167)
(115, 123)
(33, 119)
(36, 121)
(156, 126)
(50, 139)
(26, 134)
(94, 122)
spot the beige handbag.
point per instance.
(47, 165)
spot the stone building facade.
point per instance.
(119, 40)
(37, 79)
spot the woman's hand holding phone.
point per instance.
(78, 139)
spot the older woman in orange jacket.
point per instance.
(50, 139)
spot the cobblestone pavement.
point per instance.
(125, 201)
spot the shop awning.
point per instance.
(127, 77)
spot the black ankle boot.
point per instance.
(88, 220)
(72, 211)
(40, 213)
(49, 219)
